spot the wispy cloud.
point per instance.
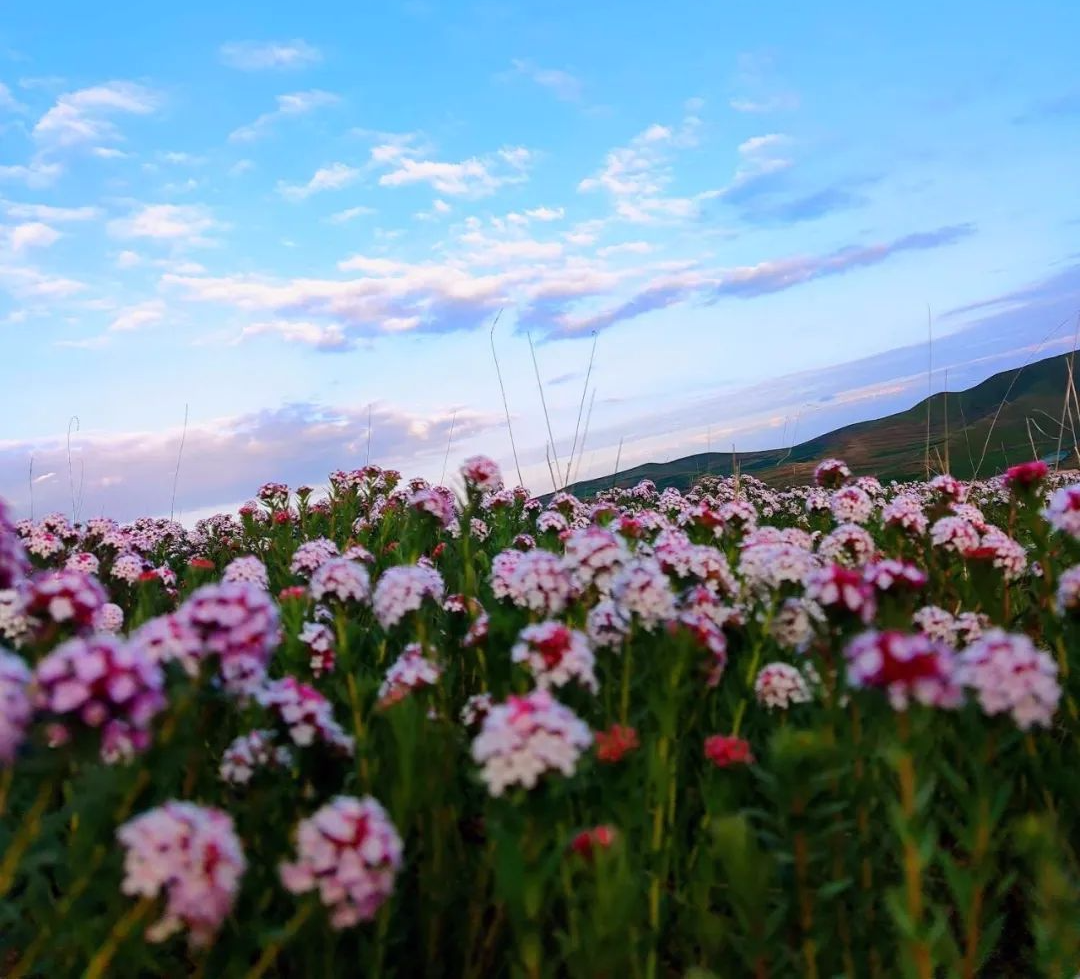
(180, 223)
(334, 176)
(269, 55)
(36, 174)
(83, 117)
(49, 212)
(759, 88)
(32, 234)
(138, 316)
(8, 102)
(288, 106)
(407, 164)
(562, 84)
(351, 214)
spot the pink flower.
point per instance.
(13, 563)
(525, 738)
(68, 598)
(725, 751)
(607, 626)
(168, 638)
(250, 752)
(1068, 591)
(412, 670)
(476, 708)
(889, 575)
(841, 589)
(349, 852)
(101, 683)
(306, 714)
(192, 855)
(1063, 510)
(483, 474)
(540, 583)
(905, 513)
(1008, 674)
(831, 473)
(109, 618)
(1026, 476)
(642, 591)
(402, 589)
(850, 504)
(955, 534)
(907, 667)
(15, 707)
(615, 743)
(780, 685)
(248, 568)
(311, 555)
(555, 655)
(238, 623)
(319, 640)
(127, 568)
(949, 488)
(341, 580)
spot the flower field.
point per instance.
(400, 730)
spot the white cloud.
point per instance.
(8, 102)
(28, 282)
(33, 234)
(108, 153)
(350, 214)
(138, 316)
(128, 259)
(626, 248)
(47, 212)
(34, 174)
(82, 116)
(288, 106)
(263, 55)
(335, 176)
(180, 158)
(186, 223)
(561, 84)
(475, 177)
(545, 213)
(321, 336)
(241, 167)
(638, 175)
(776, 103)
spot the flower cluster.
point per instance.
(555, 655)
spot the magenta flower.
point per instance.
(16, 709)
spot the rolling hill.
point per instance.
(979, 431)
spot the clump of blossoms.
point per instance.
(831, 473)
(350, 853)
(192, 855)
(109, 618)
(306, 714)
(248, 568)
(850, 504)
(250, 752)
(103, 684)
(238, 623)
(1009, 675)
(780, 685)
(127, 568)
(1004, 553)
(311, 555)
(905, 513)
(341, 580)
(16, 709)
(842, 589)
(848, 544)
(642, 591)
(83, 561)
(1068, 591)
(908, 667)
(475, 709)
(615, 743)
(767, 567)
(890, 575)
(727, 750)
(169, 638)
(607, 625)
(319, 640)
(937, 623)
(1026, 476)
(555, 655)
(955, 534)
(586, 843)
(793, 625)
(411, 671)
(64, 598)
(525, 738)
(482, 473)
(1063, 510)
(539, 582)
(13, 563)
(402, 589)
(949, 488)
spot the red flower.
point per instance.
(201, 564)
(588, 841)
(725, 750)
(149, 576)
(612, 744)
(282, 516)
(437, 552)
(293, 591)
(1026, 476)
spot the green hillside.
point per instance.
(1028, 403)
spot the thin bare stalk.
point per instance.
(367, 456)
(543, 403)
(585, 435)
(945, 395)
(31, 485)
(506, 406)
(581, 406)
(449, 439)
(71, 478)
(618, 456)
(551, 472)
(179, 456)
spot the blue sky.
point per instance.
(293, 218)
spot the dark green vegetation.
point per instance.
(1029, 403)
